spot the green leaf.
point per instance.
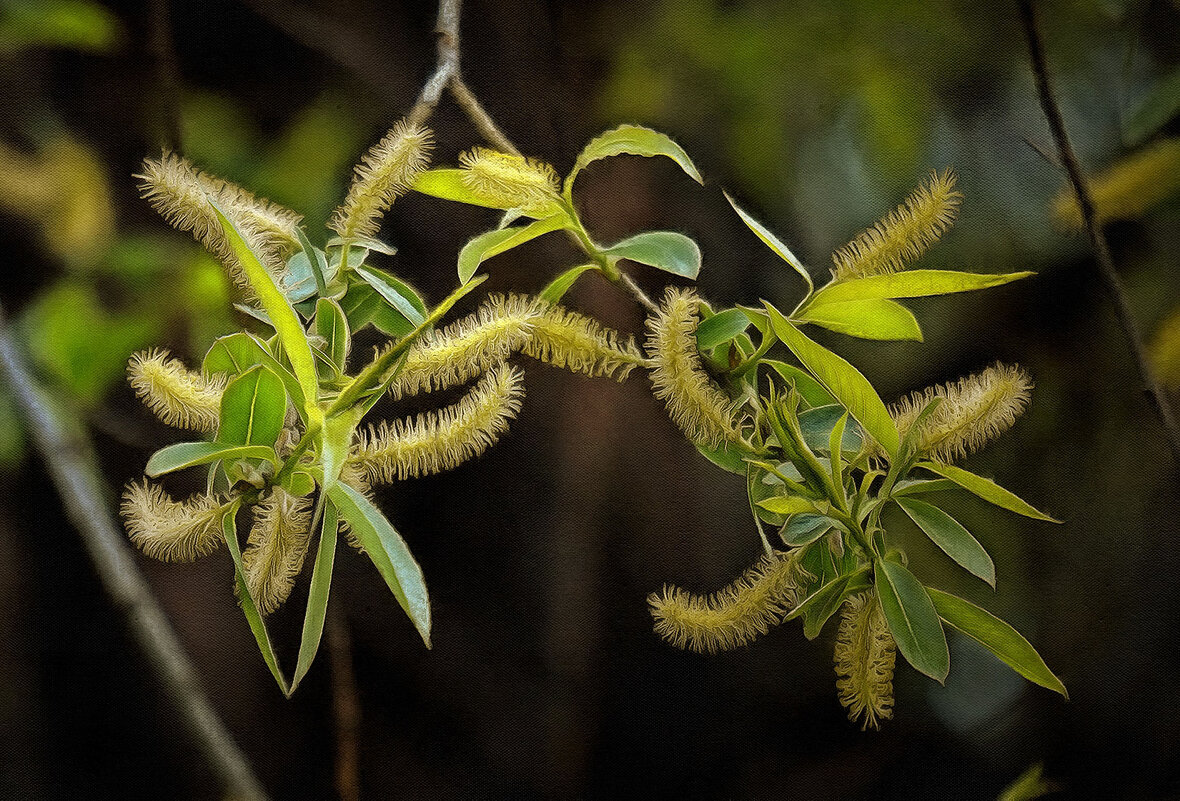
(233, 355)
(987, 489)
(851, 389)
(493, 243)
(447, 183)
(398, 294)
(317, 264)
(787, 505)
(812, 391)
(189, 454)
(874, 318)
(299, 483)
(633, 140)
(725, 457)
(998, 637)
(912, 620)
(721, 327)
(249, 607)
(836, 452)
(817, 425)
(332, 325)
(317, 597)
(562, 283)
(389, 553)
(669, 251)
(804, 529)
(335, 443)
(362, 305)
(910, 284)
(253, 408)
(948, 534)
(822, 603)
(772, 242)
(921, 486)
(1154, 111)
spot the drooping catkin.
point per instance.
(904, 234)
(694, 402)
(735, 615)
(170, 530)
(865, 655)
(385, 173)
(509, 181)
(581, 344)
(443, 439)
(276, 548)
(974, 411)
(178, 396)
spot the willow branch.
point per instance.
(1102, 257)
(70, 460)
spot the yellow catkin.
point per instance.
(974, 411)
(385, 173)
(178, 396)
(904, 234)
(276, 548)
(732, 616)
(566, 339)
(694, 402)
(865, 655)
(170, 530)
(1129, 188)
(440, 440)
(509, 181)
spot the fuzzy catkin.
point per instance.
(509, 181)
(701, 410)
(581, 344)
(865, 655)
(735, 615)
(276, 548)
(904, 234)
(386, 172)
(170, 530)
(178, 396)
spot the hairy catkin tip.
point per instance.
(735, 615)
(385, 173)
(169, 530)
(904, 234)
(509, 181)
(974, 411)
(178, 396)
(865, 655)
(699, 407)
(276, 548)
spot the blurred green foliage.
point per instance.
(73, 24)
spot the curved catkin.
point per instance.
(169, 530)
(440, 440)
(468, 347)
(178, 396)
(581, 344)
(865, 656)
(276, 548)
(509, 181)
(732, 616)
(694, 402)
(385, 173)
(974, 411)
(904, 234)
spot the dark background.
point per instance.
(545, 680)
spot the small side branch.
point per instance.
(1106, 269)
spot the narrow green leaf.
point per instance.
(773, 242)
(998, 637)
(398, 294)
(562, 283)
(253, 408)
(804, 529)
(316, 261)
(1154, 111)
(317, 597)
(636, 141)
(922, 486)
(447, 183)
(189, 454)
(786, 505)
(910, 284)
(851, 389)
(812, 391)
(836, 452)
(725, 457)
(667, 250)
(823, 602)
(912, 620)
(987, 489)
(389, 553)
(721, 327)
(493, 243)
(332, 325)
(948, 534)
(874, 318)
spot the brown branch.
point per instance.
(346, 705)
(1106, 269)
(70, 460)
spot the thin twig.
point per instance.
(1106, 269)
(69, 457)
(346, 705)
(479, 117)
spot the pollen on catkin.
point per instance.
(735, 615)
(569, 340)
(385, 173)
(276, 548)
(904, 234)
(440, 440)
(694, 402)
(509, 181)
(974, 411)
(865, 655)
(170, 530)
(178, 396)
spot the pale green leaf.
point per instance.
(557, 288)
(987, 489)
(447, 183)
(633, 140)
(910, 284)
(493, 243)
(786, 505)
(874, 318)
(189, 454)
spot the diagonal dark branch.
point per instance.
(1106, 269)
(69, 458)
